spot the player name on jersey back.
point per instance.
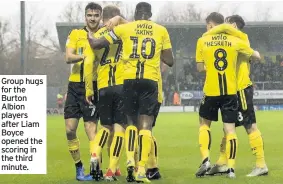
(144, 29)
(219, 40)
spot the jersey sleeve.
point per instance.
(88, 70)
(199, 54)
(166, 40)
(72, 40)
(244, 48)
(226, 28)
(246, 39)
(114, 34)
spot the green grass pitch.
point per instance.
(179, 157)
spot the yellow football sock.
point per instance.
(204, 141)
(231, 149)
(131, 136)
(109, 142)
(144, 147)
(116, 150)
(222, 160)
(256, 143)
(99, 141)
(74, 149)
(136, 157)
(91, 146)
(152, 160)
(100, 159)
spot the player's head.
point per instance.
(93, 15)
(214, 19)
(236, 20)
(109, 12)
(143, 11)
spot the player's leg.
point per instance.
(110, 139)
(119, 133)
(222, 160)
(131, 133)
(96, 115)
(152, 172)
(115, 151)
(91, 131)
(248, 119)
(120, 119)
(72, 114)
(229, 112)
(257, 146)
(121, 123)
(101, 138)
(208, 112)
(221, 164)
(100, 141)
(148, 93)
(136, 158)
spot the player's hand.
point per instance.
(256, 57)
(109, 25)
(115, 21)
(89, 100)
(83, 57)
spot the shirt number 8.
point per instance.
(240, 116)
(220, 61)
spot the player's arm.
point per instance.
(255, 56)
(88, 73)
(108, 39)
(167, 57)
(71, 57)
(226, 28)
(97, 43)
(166, 54)
(245, 49)
(115, 21)
(199, 56)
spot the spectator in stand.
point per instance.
(268, 71)
(59, 101)
(176, 98)
(170, 79)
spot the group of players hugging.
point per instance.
(116, 79)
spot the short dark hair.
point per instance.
(215, 17)
(143, 8)
(236, 19)
(110, 11)
(93, 6)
